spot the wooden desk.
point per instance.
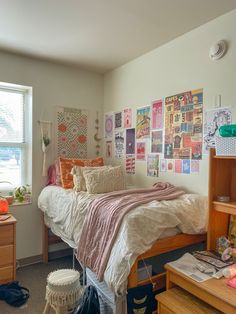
(213, 291)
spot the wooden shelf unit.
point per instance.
(222, 182)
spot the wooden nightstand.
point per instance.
(8, 250)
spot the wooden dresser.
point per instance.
(8, 250)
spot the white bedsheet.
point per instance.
(65, 212)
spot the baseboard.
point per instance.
(39, 258)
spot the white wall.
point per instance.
(181, 65)
(53, 85)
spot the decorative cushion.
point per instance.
(67, 164)
(107, 180)
(78, 176)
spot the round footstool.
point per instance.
(63, 290)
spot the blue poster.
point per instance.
(186, 166)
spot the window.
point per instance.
(15, 135)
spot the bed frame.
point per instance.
(160, 246)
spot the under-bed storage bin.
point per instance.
(109, 303)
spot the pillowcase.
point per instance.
(78, 176)
(54, 174)
(67, 164)
(105, 180)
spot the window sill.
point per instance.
(15, 203)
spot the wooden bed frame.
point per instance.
(161, 246)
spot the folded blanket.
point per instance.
(104, 218)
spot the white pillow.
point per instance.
(104, 180)
(78, 176)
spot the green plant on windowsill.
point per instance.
(21, 192)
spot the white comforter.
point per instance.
(65, 213)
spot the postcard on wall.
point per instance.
(119, 144)
(127, 118)
(143, 122)
(108, 149)
(163, 165)
(214, 119)
(186, 166)
(170, 165)
(195, 165)
(178, 165)
(130, 164)
(157, 114)
(153, 165)
(184, 125)
(108, 124)
(141, 151)
(156, 141)
(130, 141)
(118, 120)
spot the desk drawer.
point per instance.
(6, 255)
(6, 234)
(6, 274)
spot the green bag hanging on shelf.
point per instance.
(228, 130)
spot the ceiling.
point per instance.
(99, 35)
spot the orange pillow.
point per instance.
(67, 164)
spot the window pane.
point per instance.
(11, 117)
(10, 166)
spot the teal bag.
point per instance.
(228, 130)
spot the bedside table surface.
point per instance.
(10, 220)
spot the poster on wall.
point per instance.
(127, 118)
(143, 122)
(156, 141)
(71, 132)
(130, 164)
(178, 166)
(118, 120)
(157, 114)
(214, 119)
(153, 165)
(186, 166)
(163, 165)
(184, 125)
(119, 144)
(195, 166)
(130, 141)
(141, 151)
(108, 149)
(108, 125)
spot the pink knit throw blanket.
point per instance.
(104, 218)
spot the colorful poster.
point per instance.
(178, 166)
(71, 132)
(184, 125)
(119, 144)
(156, 141)
(130, 164)
(143, 120)
(118, 120)
(130, 141)
(157, 114)
(195, 166)
(163, 165)
(215, 118)
(141, 151)
(153, 165)
(170, 165)
(108, 149)
(127, 118)
(186, 166)
(108, 125)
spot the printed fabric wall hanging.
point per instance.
(183, 125)
(71, 131)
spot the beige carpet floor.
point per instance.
(34, 278)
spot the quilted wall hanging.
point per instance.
(71, 132)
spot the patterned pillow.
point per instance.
(54, 175)
(107, 180)
(67, 164)
(78, 176)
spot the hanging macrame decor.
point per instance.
(45, 128)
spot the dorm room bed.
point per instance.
(149, 230)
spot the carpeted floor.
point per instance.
(34, 278)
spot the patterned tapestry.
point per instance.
(71, 133)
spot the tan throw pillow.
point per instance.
(78, 176)
(105, 180)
